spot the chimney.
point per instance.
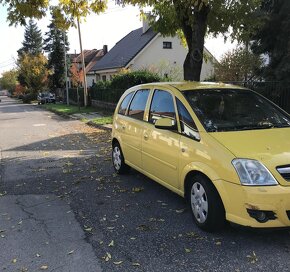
(146, 25)
(105, 49)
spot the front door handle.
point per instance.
(123, 127)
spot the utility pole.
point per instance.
(65, 63)
(83, 66)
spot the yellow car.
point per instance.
(226, 149)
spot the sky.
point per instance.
(98, 30)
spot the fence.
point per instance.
(106, 95)
(73, 96)
(277, 92)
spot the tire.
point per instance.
(118, 160)
(205, 204)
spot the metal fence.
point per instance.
(73, 96)
(277, 92)
(106, 95)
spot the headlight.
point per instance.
(252, 172)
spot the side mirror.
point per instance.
(165, 123)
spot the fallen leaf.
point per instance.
(188, 250)
(253, 258)
(107, 257)
(71, 252)
(44, 267)
(143, 228)
(110, 228)
(180, 211)
(135, 264)
(111, 244)
(88, 229)
(137, 189)
(218, 243)
(117, 263)
(14, 261)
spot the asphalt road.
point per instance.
(62, 208)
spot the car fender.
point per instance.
(198, 167)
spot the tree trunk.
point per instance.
(194, 33)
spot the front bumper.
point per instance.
(238, 200)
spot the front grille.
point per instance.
(288, 214)
(284, 171)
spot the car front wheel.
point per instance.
(205, 204)
(118, 160)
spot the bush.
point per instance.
(128, 80)
(27, 98)
(101, 85)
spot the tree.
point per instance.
(237, 65)
(76, 75)
(33, 69)
(65, 12)
(8, 81)
(32, 43)
(195, 18)
(273, 40)
(56, 45)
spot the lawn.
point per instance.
(102, 120)
(68, 109)
(105, 118)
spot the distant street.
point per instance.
(62, 208)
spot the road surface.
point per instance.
(62, 208)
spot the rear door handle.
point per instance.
(146, 136)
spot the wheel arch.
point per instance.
(195, 172)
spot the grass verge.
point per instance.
(101, 120)
(67, 109)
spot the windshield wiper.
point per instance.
(253, 127)
(281, 125)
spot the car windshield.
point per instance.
(235, 109)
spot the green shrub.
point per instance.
(128, 80)
(27, 98)
(102, 85)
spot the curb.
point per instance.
(104, 127)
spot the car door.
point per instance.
(160, 148)
(131, 127)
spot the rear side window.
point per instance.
(162, 106)
(125, 103)
(138, 104)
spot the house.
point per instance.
(91, 57)
(145, 49)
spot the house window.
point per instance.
(104, 78)
(167, 45)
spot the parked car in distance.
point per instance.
(45, 97)
(226, 149)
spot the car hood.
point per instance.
(270, 146)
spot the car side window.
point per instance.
(138, 104)
(188, 127)
(162, 106)
(124, 105)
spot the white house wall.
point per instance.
(154, 58)
(91, 78)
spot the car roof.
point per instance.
(192, 85)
